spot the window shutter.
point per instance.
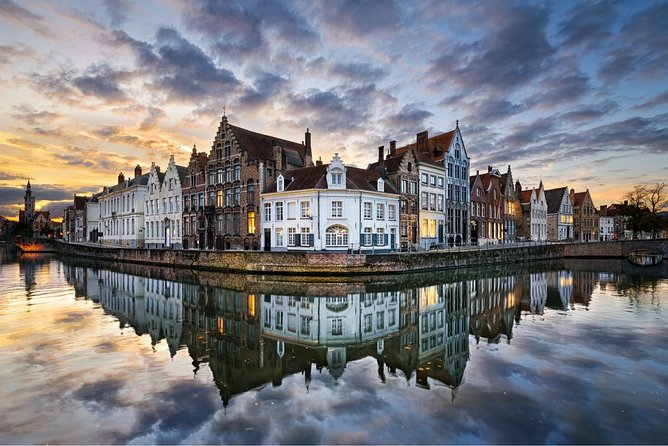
(311, 238)
(374, 239)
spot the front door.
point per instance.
(267, 239)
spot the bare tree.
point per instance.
(656, 197)
(638, 196)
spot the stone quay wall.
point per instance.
(320, 263)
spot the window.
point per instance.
(250, 190)
(367, 237)
(279, 237)
(228, 172)
(439, 203)
(367, 323)
(237, 196)
(380, 211)
(432, 180)
(279, 211)
(337, 209)
(291, 236)
(440, 182)
(267, 212)
(380, 320)
(380, 234)
(211, 179)
(236, 225)
(404, 186)
(279, 320)
(305, 209)
(424, 200)
(305, 326)
(337, 177)
(219, 223)
(425, 179)
(228, 148)
(305, 239)
(414, 187)
(201, 200)
(337, 326)
(280, 183)
(432, 202)
(367, 210)
(228, 197)
(237, 170)
(251, 222)
(391, 212)
(219, 198)
(336, 235)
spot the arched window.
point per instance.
(409, 167)
(228, 148)
(237, 170)
(228, 172)
(336, 235)
(211, 179)
(219, 174)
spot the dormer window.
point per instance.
(336, 174)
(280, 184)
(381, 185)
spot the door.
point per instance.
(267, 239)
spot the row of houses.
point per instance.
(258, 192)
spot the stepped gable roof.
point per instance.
(315, 177)
(260, 147)
(526, 196)
(579, 198)
(182, 172)
(423, 158)
(80, 202)
(553, 198)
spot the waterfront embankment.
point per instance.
(344, 264)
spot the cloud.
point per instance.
(588, 23)
(178, 68)
(362, 72)
(31, 116)
(642, 48)
(654, 102)
(353, 21)
(11, 11)
(247, 30)
(265, 87)
(118, 11)
(98, 82)
(508, 58)
(13, 54)
(153, 116)
(409, 119)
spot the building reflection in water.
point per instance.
(249, 339)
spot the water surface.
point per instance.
(551, 353)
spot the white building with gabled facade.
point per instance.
(533, 225)
(122, 211)
(163, 206)
(330, 207)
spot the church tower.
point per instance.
(29, 202)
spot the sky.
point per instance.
(570, 93)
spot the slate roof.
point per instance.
(392, 163)
(438, 145)
(142, 181)
(579, 198)
(260, 147)
(182, 171)
(315, 177)
(553, 198)
(525, 196)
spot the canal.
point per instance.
(560, 352)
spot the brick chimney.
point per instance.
(393, 148)
(381, 154)
(319, 162)
(604, 210)
(308, 156)
(121, 178)
(422, 145)
(137, 171)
